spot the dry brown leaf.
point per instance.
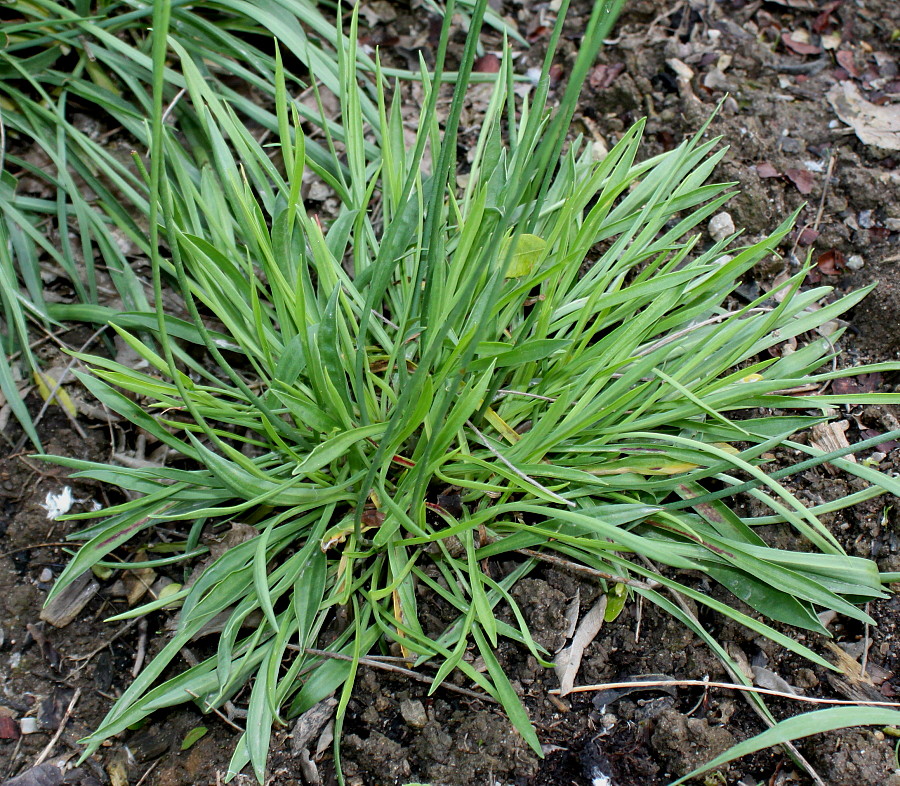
(487, 64)
(571, 615)
(803, 179)
(878, 126)
(602, 76)
(798, 46)
(845, 60)
(310, 723)
(831, 436)
(568, 661)
(831, 262)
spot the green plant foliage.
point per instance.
(75, 85)
(549, 341)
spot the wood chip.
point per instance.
(66, 606)
(310, 723)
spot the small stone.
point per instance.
(721, 226)
(865, 219)
(791, 145)
(855, 262)
(413, 712)
(893, 224)
(46, 576)
(28, 725)
(716, 80)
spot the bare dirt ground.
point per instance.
(797, 80)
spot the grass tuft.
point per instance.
(444, 385)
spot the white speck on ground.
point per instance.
(58, 504)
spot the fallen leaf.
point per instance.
(525, 256)
(193, 736)
(803, 179)
(845, 60)
(800, 47)
(487, 64)
(602, 76)
(807, 237)
(882, 447)
(765, 169)
(831, 436)
(537, 33)
(42, 775)
(557, 71)
(118, 774)
(824, 18)
(568, 661)
(869, 383)
(570, 615)
(67, 605)
(878, 126)
(602, 699)
(9, 729)
(766, 678)
(49, 388)
(310, 723)
(831, 262)
(831, 41)
(239, 533)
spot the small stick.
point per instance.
(124, 629)
(147, 773)
(217, 711)
(576, 568)
(378, 664)
(690, 328)
(141, 649)
(821, 209)
(15, 756)
(35, 546)
(515, 469)
(864, 661)
(59, 730)
(725, 685)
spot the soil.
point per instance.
(770, 65)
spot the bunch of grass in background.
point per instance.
(548, 343)
(86, 217)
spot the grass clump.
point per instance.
(549, 342)
(76, 89)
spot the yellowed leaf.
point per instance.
(526, 255)
(503, 428)
(45, 388)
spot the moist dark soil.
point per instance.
(769, 67)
